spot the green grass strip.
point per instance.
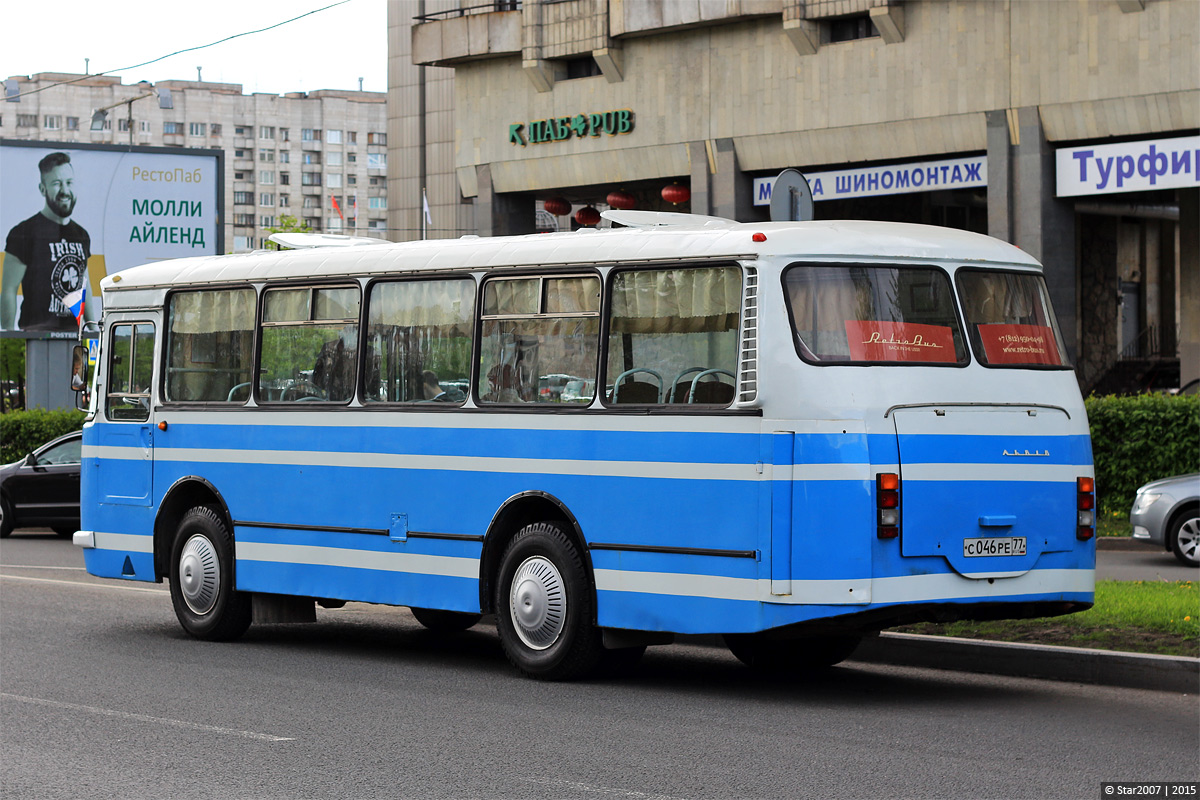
(1161, 617)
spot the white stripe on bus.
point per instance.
(126, 542)
(907, 589)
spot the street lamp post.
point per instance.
(101, 114)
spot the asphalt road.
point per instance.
(102, 695)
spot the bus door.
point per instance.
(820, 481)
(988, 488)
(124, 466)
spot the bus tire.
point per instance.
(545, 605)
(791, 655)
(202, 585)
(445, 621)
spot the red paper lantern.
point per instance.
(676, 194)
(587, 216)
(620, 199)
(558, 206)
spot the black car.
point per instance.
(42, 489)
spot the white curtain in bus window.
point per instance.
(539, 334)
(1011, 319)
(673, 336)
(130, 372)
(880, 315)
(419, 336)
(210, 346)
(309, 344)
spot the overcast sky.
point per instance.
(330, 49)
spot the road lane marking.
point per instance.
(175, 723)
(84, 583)
(39, 566)
(590, 788)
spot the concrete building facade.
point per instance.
(968, 114)
(291, 154)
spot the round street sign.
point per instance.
(791, 197)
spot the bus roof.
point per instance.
(705, 239)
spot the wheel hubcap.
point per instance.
(538, 603)
(1189, 539)
(199, 574)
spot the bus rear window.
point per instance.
(874, 315)
(1010, 319)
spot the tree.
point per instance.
(12, 359)
(289, 224)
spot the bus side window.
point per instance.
(419, 337)
(210, 345)
(309, 344)
(673, 336)
(539, 334)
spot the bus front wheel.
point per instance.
(545, 605)
(202, 587)
(791, 655)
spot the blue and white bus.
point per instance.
(793, 434)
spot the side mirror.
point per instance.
(79, 363)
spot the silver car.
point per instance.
(1167, 513)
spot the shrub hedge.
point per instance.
(22, 432)
(1141, 438)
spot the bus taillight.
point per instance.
(887, 501)
(1086, 507)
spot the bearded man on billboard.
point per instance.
(46, 256)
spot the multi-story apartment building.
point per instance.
(957, 113)
(320, 157)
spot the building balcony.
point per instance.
(449, 37)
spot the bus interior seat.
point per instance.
(713, 393)
(636, 392)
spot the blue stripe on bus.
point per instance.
(699, 510)
(675, 563)
(365, 542)
(944, 448)
(681, 447)
(642, 611)
(111, 564)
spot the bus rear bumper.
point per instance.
(85, 539)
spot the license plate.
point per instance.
(994, 546)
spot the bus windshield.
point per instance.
(874, 315)
(1010, 319)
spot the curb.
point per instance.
(1080, 665)
(1124, 543)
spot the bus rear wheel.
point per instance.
(202, 586)
(545, 605)
(791, 655)
(445, 621)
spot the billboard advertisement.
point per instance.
(72, 213)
